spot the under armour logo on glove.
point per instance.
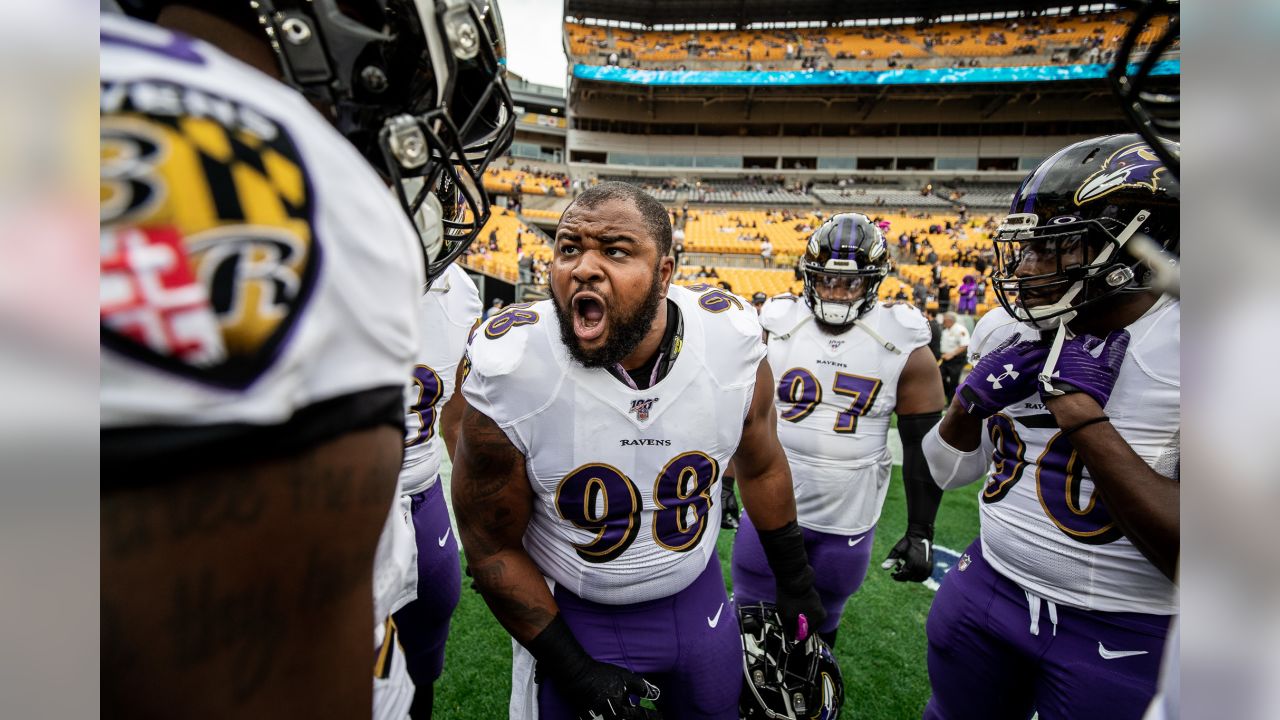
(1009, 373)
(1017, 363)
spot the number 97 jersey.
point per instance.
(627, 501)
(835, 394)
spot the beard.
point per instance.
(626, 329)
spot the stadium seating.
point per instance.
(1026, 41)
(504, 180)
(503, 263)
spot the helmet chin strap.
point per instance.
(1064, 333)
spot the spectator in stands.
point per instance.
(968, 303)
(494, 309)
(677, 244)
(955, 349)
(935, 334)
(920, 294)
(493, 239)
(526, 268)
(944, 295)
(766, 253)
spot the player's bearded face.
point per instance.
(607, 282)
(620, 325)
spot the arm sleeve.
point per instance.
(950, 467)
(923, 494)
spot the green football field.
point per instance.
(881, 645)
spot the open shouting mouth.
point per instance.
(588, 316)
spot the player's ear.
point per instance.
(666, 269)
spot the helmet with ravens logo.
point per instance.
(785, 679)
(1063, 245)
(417, 86)
(845, 255)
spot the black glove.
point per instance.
(784, 550)
(729, 501)
(912, 558)
(595, 689)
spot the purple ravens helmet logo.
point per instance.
(1132, 166)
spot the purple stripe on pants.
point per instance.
(687, 644)
(839, 564)
(985, 664)
(424, 623)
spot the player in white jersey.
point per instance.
(257, 317)
(596, 428)
(447, 313)
(844, 365)
(1063, 604)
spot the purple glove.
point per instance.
(1089, 365)
(1003, 377)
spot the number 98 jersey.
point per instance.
(1044, 526)
(835, 395)
(626, 481)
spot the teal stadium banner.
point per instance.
(930, 76)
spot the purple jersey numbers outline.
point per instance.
(799, 387)
(429, 391)
(513, 316)
(863, 390)
(1059, 482)
(601, 499)
(715, 299)
(684, 487)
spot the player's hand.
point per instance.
(799, 606)
(1090, 365)
(1002, 377)
(595, 689)
(911, 560)
(607, 691)
(729, 504)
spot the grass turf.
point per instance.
(881, 645)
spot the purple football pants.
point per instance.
(839, 564)
(424, 623)
(985, 663)
(687, 644)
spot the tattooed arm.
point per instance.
(492, 500)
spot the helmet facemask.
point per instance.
(785, 679)
(1076, 263)
(838, 298)
(416, 85)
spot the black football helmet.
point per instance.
(1153, 112)
(418, 86)
(1070, 222)
(845, 253)
(792, 680)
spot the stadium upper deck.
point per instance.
(1060, 39)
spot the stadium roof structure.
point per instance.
(744, 12)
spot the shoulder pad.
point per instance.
(992, 329)
(781, 317)
(497, 345)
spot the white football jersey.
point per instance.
(447, 312)
(835, 396)
(253, 263)
(626, 480)
(1042, 525)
